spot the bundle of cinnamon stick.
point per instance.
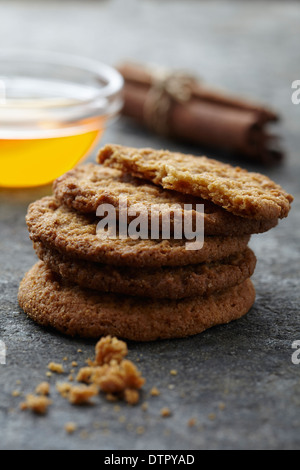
(182, 107)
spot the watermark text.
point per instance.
(296, 93)
(2, 352)
(155, 222)
(296, 354)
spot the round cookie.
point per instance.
(162, 282)
(243, 193)
(81, 312)
(75, 235)
(87, 186)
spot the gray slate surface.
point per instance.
(250, 48)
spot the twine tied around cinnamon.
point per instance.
(166, 89)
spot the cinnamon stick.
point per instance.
(207, 117)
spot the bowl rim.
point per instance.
(115, 81)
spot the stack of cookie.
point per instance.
(90, 284)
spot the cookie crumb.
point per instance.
(70, 427)
(144, 406)
(85, 374)
(54, 367)
(110, 373)
(173, 372)
(165, 412)
(111, 397)
(43, 389)
(154, 392)
(119, 379)
(64, 389)
(15, 393)
(110, 348)
(81, 394)
(131, 396)
(222, 406)
(38, 404)
(212, 416)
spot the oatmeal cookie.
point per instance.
(88, 186)
(51, 302)
(76, 235)
(161, 282)
(243, 193)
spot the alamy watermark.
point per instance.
(296, 94)
(2, 352)
(296, 354)
(155, 222)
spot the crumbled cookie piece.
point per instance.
(111, 397)
(77, 394)
(121, 380)
(70, 427)
(38, 404)
(43, 389)
(81, 394)
(165, 412)
(115, 376)
(54, 367)
(110, 348)
(144, 406)
(154, 392)
(131, 396)
(85, 374)
(64, 389)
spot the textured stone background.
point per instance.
(249, 48)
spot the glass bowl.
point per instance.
(53, 110)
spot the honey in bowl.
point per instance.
(53, 111)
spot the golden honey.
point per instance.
(37, 161)
(53, 111)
